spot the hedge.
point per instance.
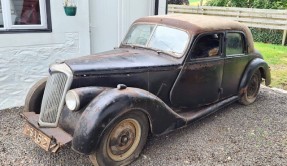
(267, 35)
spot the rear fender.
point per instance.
(253, 66)
(113, 103)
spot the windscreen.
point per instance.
(162, 38)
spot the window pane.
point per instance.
(169, 40)
(25, 12)
(161, 38)
(139, 35)
(207, 46)
(234, 44)
(1, 16)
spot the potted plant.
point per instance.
(70, 8)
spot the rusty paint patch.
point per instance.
(203, 65)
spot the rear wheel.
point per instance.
(252, 89)
(123, 141)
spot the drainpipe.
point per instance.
(156, 7)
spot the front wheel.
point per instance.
(123, 141)
(252, 89)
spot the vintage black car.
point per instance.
(168, 72)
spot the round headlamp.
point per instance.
(72, 100)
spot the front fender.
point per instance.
(69, 119)
(253, 66)
(113, 103)
(34, 97)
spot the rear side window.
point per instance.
(234, 44)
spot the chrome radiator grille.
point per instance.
(52, 97)
(56, 88)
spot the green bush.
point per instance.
(178, 2)
(259, 35)
(267, 35)
(262, 4)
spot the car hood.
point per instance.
(120, 61)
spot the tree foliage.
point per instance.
(261, 4)
(178, 2)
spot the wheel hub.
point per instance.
(124, 139)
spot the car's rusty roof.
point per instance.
(196, 24)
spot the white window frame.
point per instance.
(7, 17)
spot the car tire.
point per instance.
(250, 95)
(123, 141)
(34, 97)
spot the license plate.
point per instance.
(38, 137)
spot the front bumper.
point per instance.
(50, 139)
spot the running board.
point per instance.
(191, 116)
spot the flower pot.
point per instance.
(70, 11)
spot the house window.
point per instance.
(23, 15)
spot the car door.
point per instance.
(199, 81)
(235, 61)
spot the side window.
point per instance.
(207, 46)
(234, 44)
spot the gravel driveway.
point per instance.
(236, 135)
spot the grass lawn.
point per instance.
(276, 57)
(194, 2)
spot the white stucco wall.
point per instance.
(25, 57)
(111, 19)
(99, 25)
